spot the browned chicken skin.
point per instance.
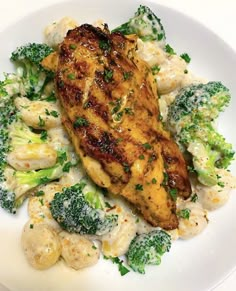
(111, 113)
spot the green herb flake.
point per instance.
(31, 226)
(194, 198)
(141, 157)
(128, 111)
(139, 187)
(170, 50)
(108, 75)
(147, 146)
(71, 76)
(54, 113)
(80, 121)
(184, 213)
(154, 180)
(66, 167)
(41, 122)
(94, 247)
(221, 184)
(44, 180)
(104, 45)
(43, 135)
(186, 57)
(115, 260)
(165, 179)
(51, 98)
(108, 205)
(173, 193)
(155, 69)
(47, 112)
(41, 201)
(39, 193)
(186, 71)
(61, 157)
(127, 75)
(72, 46)
(126, 167)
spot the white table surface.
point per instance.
(218, 15)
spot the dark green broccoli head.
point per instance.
(191, 118)
(74, 214)
(145, 24)
(200, 100)
(147, 249)
(28, 60)
(32, 52)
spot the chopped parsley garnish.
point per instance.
(71, 76)
(194, 198)
(108, 205)
(53, 113)
(72, 46)
(154, 180)
(31, 226)
(94, 247)
(61, 157)
(41, 122)
(66, 167)
(39, 193)
(51, 98)
(147, 146)
(173, 193)
(43, 135)
(44, 180)
(128, 111)
(41, 201)
(186, 71)
(139, 187)
(186, 57)
(108, 75)
(127, 75)
(221, 184)
(118, 116)
(104, 45)
(165, 179)
(117, 106)
(170, 50)
(141, 157)
(184, 213)
(80, 121)
(126, 167)
(115, 260)
(155, 69)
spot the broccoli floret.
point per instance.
(20, 134)
(146, 25)
(28, 60)
(191, 118)
(147, 249)
(75, 214)
(15, 184)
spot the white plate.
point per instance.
(197, 264)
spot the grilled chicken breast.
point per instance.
(111, 113)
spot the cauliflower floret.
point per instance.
(192, 218)
(216, 196)
(77, 251)
(55, 32)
